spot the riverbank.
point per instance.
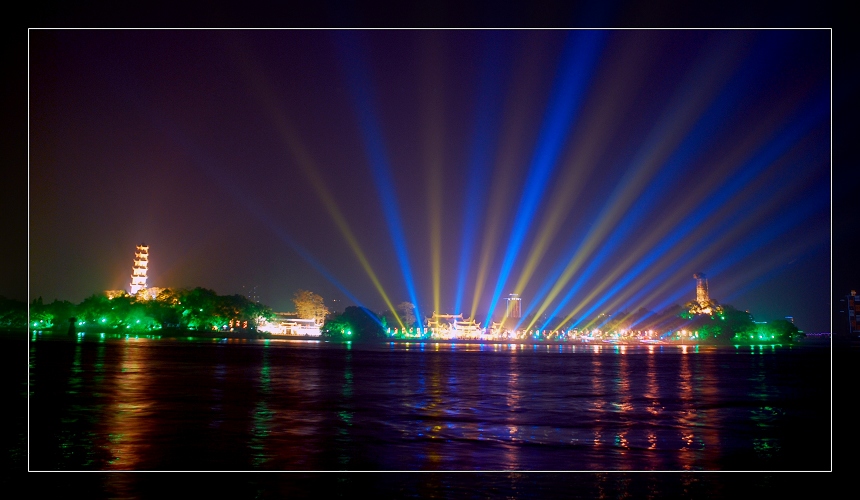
(169, 333)
(582, 342)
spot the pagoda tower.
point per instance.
(706, 305)
(138, 274)
(701, 289)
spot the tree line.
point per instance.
(200, 309)
(194, 309)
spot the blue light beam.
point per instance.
(360, 87)
(580, 56)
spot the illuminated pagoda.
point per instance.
(702, 293)
(138, 274)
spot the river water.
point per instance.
(114, 403)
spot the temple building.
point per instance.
(452, 326)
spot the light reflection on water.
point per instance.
(129, 409)
(164, 404)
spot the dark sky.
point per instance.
(589, 171)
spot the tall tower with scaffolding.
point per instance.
(513, 308)
(138, 273)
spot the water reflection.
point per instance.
(128, 416)
(434, 411)
(513, 407)
(74, 440)
(219, 376)
(707, 390)
(598, 381)
(764, 413)
(295, 437)
(624, 407)
(132, 404)
(687, 413)
(263, 416)
(345, 415)
(654, 408)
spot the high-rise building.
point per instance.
(513, 309)
(138, 273)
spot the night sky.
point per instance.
(590, 171)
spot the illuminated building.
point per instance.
(467, 327)
(701, 289)
(452, 326)
(285, 323)
(514, 308)
(138, 274)
(437, 322)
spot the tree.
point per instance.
(40, 315)
(782, 330)
(125, 311)
(169, 296)
(337, 327)
(242, 309)
(390, 319)
(737, 324)
(257, 313)
(13, 313)
(355, 323)
(98, 307)
(61, 311)
(198, 308)
(407, 314)
(310, 306)
(165, 313)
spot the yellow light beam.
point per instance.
(742, 152)
(516, 132)
(603, 113)
(692, 98)
(433, 103)
(717, 247)
(289, 134)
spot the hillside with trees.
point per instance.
(197, 309)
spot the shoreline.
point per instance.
(190, 335)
